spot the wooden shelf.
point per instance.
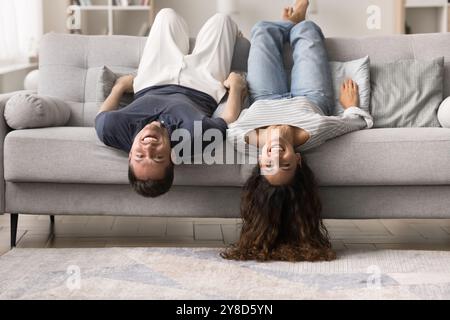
(114, 8)
(110, 10)
(91, 8)
(123, 8)
(425, 16)
(426, 3)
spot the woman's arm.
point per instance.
(123, 85)
(349, 99)
(237, 92)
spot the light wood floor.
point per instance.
(82, 232)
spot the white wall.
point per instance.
(55, 15)
(337, 18)
(14, 80)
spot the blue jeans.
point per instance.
(311, 74)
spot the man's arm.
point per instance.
(122, 86)
(237, 87)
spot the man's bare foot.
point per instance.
(297, 13)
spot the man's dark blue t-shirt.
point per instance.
(176, 107)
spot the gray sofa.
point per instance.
(379, 173)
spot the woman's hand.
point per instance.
(125, 84)
(349, 94)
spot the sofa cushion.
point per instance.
(380, 157)
(357, 70)
(29, 110)
(365, 158)
(74, 155)
(407, 93)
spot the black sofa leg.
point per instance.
(14, 222)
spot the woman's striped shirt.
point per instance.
(301, 113)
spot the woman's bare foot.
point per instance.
(297, 13)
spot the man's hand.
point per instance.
(125, 84)
(122, 85)
(349, 94)
(237, 85)
(235, 81)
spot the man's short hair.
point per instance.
(152, 188)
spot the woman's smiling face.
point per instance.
(278, 160)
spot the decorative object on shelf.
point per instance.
(123, 3)
(85, 3)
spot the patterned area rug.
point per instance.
(186, 273)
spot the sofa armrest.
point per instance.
(4, 129)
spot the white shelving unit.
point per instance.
(426, 16)
(110, 9)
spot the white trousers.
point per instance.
(166, 59)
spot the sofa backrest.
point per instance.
(70, 64)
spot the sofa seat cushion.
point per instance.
(379, 157)
(75, 155)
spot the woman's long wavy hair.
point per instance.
(282, 222)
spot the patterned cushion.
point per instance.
(407, 93)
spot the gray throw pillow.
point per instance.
(26, 111)
(358, 71)
(105, 84)
(407, 93)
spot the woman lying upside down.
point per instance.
(281, 208)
